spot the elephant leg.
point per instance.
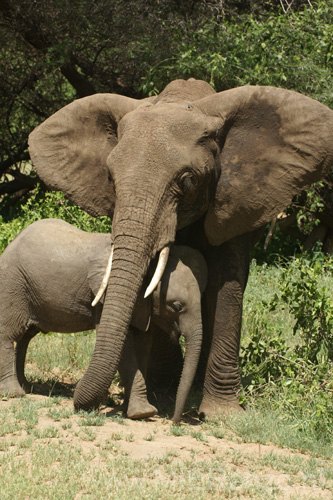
(9, 384)
(21, 351)
(165, 364)
(228, 267)
(142, 343)
(132, 369)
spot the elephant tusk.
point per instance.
(105, 280)
(162, 262)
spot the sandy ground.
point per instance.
(153, 439)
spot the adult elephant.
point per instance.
(229, 161)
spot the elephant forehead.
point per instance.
(180, 122)
(181, 283)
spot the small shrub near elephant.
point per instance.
(50, 274)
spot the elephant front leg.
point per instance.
(9, 384)
(222, 377)
(132, 369)
(21, 352)
(222, 316)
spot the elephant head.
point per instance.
(235, 158)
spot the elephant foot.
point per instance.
(137, 410)
(217, 407)
(11, 388)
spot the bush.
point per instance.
(294, 375)
(44, 205)
(291, 51)
(311, 304)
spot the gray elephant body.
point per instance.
(208, 169)
(50, 274)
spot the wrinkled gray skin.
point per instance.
(49, 276)
(218, 166)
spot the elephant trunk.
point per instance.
(193, 340)
(121, 295)
(136, 237)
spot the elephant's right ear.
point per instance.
(69, 149)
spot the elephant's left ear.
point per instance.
(273, 143)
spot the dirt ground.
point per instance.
(153, 438)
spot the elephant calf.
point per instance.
(50, 274)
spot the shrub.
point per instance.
(291, 51)
(294, 375)
(311, 304)
(44, 205)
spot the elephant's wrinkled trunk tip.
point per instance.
(162, 262)
(192, 353)
(105, 280)
(176, 420)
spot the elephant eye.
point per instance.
(187, 182)
(177, 306)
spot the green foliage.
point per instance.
(261, 358)
(92, 418)
(281, 246)
(293, 374)
(313, 204)
(311, 304)
(292, 51)
(43, 205)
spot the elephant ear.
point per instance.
(273, 143)
(69, 150)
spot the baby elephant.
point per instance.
(50, 274)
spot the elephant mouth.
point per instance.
(175, 332)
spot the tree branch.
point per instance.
(12, 160)
(42, 41)
(21, 182)
(81, 84)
